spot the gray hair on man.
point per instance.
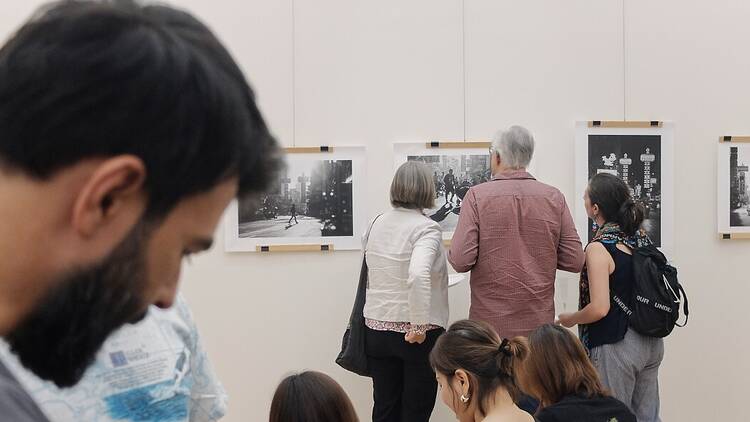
(515, 146)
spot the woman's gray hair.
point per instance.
(515, 146)
(413, 186)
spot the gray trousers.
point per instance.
(630, 370)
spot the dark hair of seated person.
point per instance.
(311, 397)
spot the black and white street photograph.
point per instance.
(637, 160)
(739, 202)
(312, 198)
(453, 175)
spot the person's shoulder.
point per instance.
(549, 190)
(609, 407)
(548, 414)
(418, 225)
(618, 409)
(568, 408)
(409, 221)
(580, 407)
(594, 248)
(567, 402)
(479, 189)
(428, 225)
(381, 218)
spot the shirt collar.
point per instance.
(414, 210)
(513, 175)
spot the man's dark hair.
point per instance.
(95, 79)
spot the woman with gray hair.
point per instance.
(406, 306)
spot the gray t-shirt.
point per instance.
(155, 370)
(15, 403)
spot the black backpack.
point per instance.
(657, 294)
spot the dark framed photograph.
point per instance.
(642, 158)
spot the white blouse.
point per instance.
(408, 272)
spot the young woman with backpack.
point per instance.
(627, 362)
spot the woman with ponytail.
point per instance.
(474, 369)
(627, 362)
(553, 367)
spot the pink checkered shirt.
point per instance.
(513, 234)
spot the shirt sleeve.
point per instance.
(570, 255)
(465, 244)
(426, 250)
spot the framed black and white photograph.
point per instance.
(316, 200)
(641, 155)
(456, 167)
(733, 194)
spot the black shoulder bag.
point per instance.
(353, 356)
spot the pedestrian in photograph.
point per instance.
(293, 214)
(450, 186)
(436, 181)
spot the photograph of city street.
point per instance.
(312, 198)
(453, 175)
(739, 202)
(636, 159)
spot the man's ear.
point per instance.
(114, 189)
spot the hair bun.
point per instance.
(626, 209)
(631, 216)
(504, 359)
(504, 347)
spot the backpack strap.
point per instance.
(684, 306)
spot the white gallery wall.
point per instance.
(356, 72)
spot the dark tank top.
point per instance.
(612, 328)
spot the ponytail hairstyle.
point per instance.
(475, 347)
(616, 203)
(554, 364)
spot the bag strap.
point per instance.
(364, 256)
(684, 306)
(367, 234)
